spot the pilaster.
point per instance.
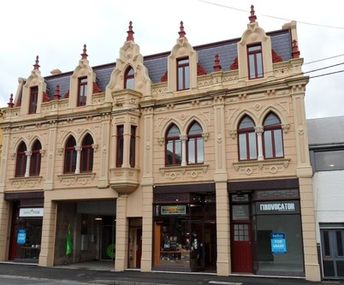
(121, 233)
(4, 227)
(51, 156)
(105, 151)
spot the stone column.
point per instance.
(304, 173)
(121, 233)
(147, 189)
(126, 145)
(259, 132)
(50, 157)
(28, 154)
(104, 152)
(78, 157)
(222, 202)
(183, 139)
(4, 227)
(46, 257)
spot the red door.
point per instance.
(241, 248)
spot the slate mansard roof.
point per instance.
(157, 64)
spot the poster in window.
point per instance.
(21, 237)
(278, 243)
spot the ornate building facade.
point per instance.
(191, 160)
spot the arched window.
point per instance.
(70, 156)
(173, 150)
(272, 139)
(129, 78)
(247, 139)
(195, 145)
(86, 163)
(35, 162)
(21, 160)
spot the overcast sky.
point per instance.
(57, 30)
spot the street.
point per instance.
(14, 280)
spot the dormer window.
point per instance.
(33, 100)
(82, 91)
(183, 74)
(129, 78)
(255, 61)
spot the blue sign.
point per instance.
(278, 243)
(21, 237)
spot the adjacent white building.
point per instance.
(326, 144)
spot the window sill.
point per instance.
(271, 165)
(72, 178)
(26, 182)
(177, 171)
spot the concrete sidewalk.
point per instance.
(141, 278)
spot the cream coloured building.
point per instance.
(190, 160)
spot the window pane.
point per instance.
(191, 151)
(169, 152)
(246, 123)
(267, 144)
(339, 243)
(180, 78)
(200, 150)
(187, 77)
(326, 241)
(178, 153)
(253, 145)
(329, 160)
(259, 65)
(173, 132)
(271, 120)
(251, 67)
(195, 129)
(130, 83)
(278, 143)
(254, 48)
(242, 146)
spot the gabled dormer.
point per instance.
(130, 72)
(254, 52)
(81, 83)
(182, 64)
(30, 96)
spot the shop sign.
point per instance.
(173, 210)
(31, 212)
(278, 207)
(21, 237)
(278, 243)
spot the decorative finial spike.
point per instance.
(84, 54)
(10, 103)
(252, 17)
(217, 63)
(57, 94)
(130, 32)
(36, 66)
(181, 30)
(295, 53)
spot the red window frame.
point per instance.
(86, 157)
(33, 99)
(129, 78)
(119, 145)
(21, 160)
(82, 91)
(256, 53)
(35, 162)
(193, 139)
(246, 132)
(174, 139)
(132, 150)
(70, 156)
(183, 74)
(274, 129)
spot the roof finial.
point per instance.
(253, 17)
(10, 103)
(217, 64)
(57, 94)
(84, 54)
(181, 30)
(130, 32)
(295, 53)
(36, 65)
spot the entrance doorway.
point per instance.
(332, 248)
(135, 243)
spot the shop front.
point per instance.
(26, 226)
(184, 228)
(266, 234)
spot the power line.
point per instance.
(323, 59)
(273, 17)
(326, 74)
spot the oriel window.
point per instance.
(132, 146)
(119, 150)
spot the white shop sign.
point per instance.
(31, 212)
